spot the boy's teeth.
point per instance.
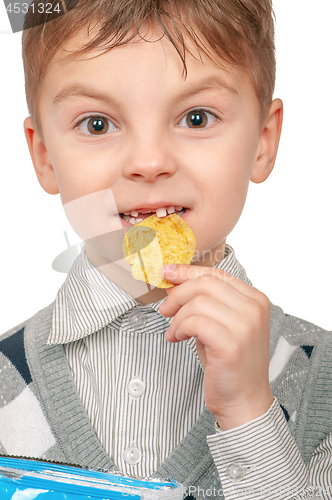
(161, 212)
(132, 216)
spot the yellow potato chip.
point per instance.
(154, 242)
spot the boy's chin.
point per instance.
(106, 247)
(120, 274)
(209, 258)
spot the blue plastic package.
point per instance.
(25, 479)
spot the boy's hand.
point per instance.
(231, 323)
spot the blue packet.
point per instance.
(25, 479)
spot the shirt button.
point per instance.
(132, 455)
(136, 387)
(235, 473)
(137, 319)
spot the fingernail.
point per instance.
(168, 268)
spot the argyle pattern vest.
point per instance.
(41, 415)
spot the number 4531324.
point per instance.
(48, 8)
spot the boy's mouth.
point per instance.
(137, 215)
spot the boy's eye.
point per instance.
(198, 118)
(99, 125)
(96, 125)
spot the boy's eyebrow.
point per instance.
(76, 90)
(209, 83)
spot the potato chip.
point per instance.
(154, 242)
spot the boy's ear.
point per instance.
(268, 143)
(40, 158)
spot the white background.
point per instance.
(284, 236)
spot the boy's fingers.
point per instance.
(214, 283)
(180, 273)
(209, 308)
(201, 290)
(210, 332)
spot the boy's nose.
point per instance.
(149, 160)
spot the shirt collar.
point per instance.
(88, 301)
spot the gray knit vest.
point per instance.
(303, 389)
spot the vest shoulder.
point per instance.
(12, 331)
(294, 328)
(14, 368)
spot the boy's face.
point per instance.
(128, 122)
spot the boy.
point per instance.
(123, 132)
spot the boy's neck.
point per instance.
(120, 274)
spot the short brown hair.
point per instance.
(240, 32)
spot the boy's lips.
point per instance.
(136, 215)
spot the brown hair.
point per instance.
(240, 32)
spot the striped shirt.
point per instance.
(143, 394)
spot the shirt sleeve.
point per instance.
(260, 460)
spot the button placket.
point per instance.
(137, 319)
(136, 388)
(235, 472)
(132, 455)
